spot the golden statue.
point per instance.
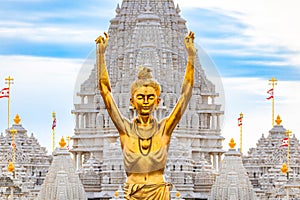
(145, 140)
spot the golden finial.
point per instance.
(178, 194)
(140, 68)
(273, 80)
(62, 142)
(241, 115)
(284, 169)
(232, 143)
(10, 167)
(13, 131)
(17, 119)
(116, 194)
(288, 132)
(278, 120)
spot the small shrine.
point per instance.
(61, 181)
(232, 182)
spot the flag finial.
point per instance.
(278, 120)
(11, 167)
(273, 80)
(284, 168)
(62, 142)
(17, 119)
(232, 143)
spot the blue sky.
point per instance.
(43, 44)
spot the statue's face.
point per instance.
(145, 100)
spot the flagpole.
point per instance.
(273, 82)
(68, 139)
(241, 133)
(288, 132)
(53, 131)
(13, 144)
(9, 80)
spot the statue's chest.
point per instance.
(144, 146)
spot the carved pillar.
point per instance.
(79, 160)
(86, 120)
(81, 120)
(219, 161)
(201, 120)
(215, 161)
(218, 122)
(77, 120)
(213, 124)
(205, 120)
(93, 120)
(76, 160)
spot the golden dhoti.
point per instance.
(160, 191)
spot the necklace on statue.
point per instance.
(146, 145)
(145, 139)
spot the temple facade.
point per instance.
(31, 163)
(264, 162)
(148, 33)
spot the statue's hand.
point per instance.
(189, 44)
(102, 43)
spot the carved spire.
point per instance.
(178, 9)
(148, 7)
(118, 9)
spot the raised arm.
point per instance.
(104, 85)
(187, 86)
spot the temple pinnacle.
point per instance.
(17, 119)
(278, 120)
(232, 143)
(62, 142)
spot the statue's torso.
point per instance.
(144, 151)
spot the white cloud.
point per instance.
(265, 63)
(269, 23)
(47, 33)
(51, 25)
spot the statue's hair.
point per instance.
(145, 79)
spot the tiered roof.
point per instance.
(232, 182)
